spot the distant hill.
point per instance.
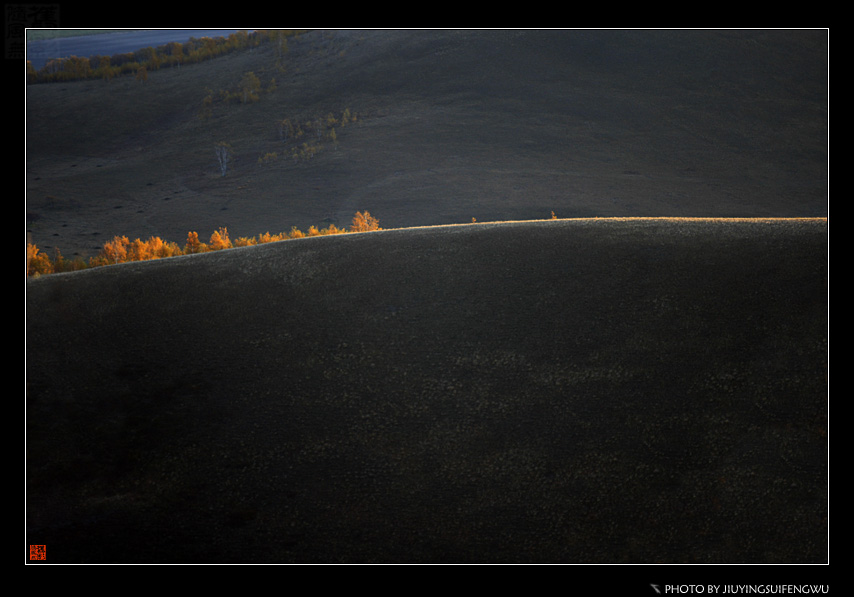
(567, 391)
(451, 125)
(48, 44)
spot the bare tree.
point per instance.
(250, 87)
(286, 129)
(223, 155)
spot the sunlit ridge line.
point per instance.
(619, 219)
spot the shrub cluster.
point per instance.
(122, 250)
(248, 90)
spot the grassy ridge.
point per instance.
(634, 390)
(121, 249)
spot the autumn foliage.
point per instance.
(145, 60)
(37, 262)
(364, 222)
(120, 249)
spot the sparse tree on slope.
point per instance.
(250, 86)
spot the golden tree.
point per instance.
(37, 262)
(364, 222)
(116, 250)
(193, 245)
(219, 240)
(159, 248)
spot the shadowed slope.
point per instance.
(556, 391)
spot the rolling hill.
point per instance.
(569, 391)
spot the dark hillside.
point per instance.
(452, 125)
(642, 391)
